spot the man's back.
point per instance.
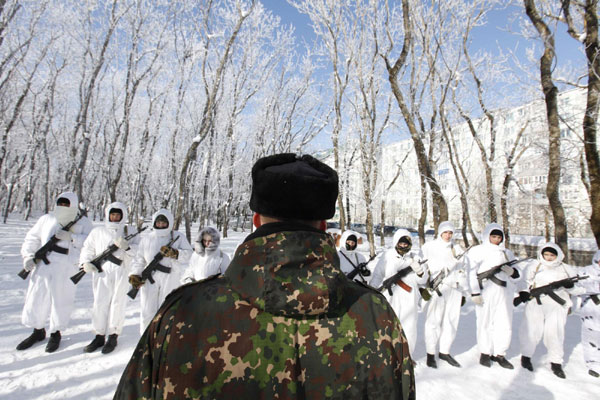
(283, 322)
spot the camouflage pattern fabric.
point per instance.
(282, 323)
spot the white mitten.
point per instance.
(416, 266)
(28, 264)
(198, 247)
(507, 269)
(61, 234)
(122, 243)
(477, 299)
(89, 267)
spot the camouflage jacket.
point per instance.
(283, 322)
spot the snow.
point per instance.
(71, 374)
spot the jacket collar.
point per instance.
(289, 273)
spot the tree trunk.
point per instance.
(590, 119)
(438, 200)
(423, 216)
(550, 96)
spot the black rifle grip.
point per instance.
(23, 274)
(133, 293)
(77, 277)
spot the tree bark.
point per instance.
(550, 97)
(590, 119)
(423, 161)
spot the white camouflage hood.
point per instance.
(169, 216)
(115, 225)
(485, 238)
(64, 215)
(345, 237)
(559, 258)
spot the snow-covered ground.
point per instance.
(71, 374)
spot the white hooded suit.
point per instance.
(153, 294)
(443, 312)
(404, 302)
(494, 316)
(50, 292)
(590, 314)
(548, 319)
(350, 258)
(206, 261)
(110, 286)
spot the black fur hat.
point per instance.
(292, 186)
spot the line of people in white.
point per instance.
(50, 294)
(443, 276)
(437, 278)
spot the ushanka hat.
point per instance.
(293, 186)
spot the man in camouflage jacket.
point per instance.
(282, 322)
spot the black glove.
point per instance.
(463, 301)
(522, 298)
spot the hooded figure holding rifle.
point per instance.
(546, 314)
(167, 276)
(50, 293)
(404, 267)
(589, 311)
(443, 309)
(492, 296)
(110, 278)
(350, 258)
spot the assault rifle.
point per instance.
(106, 255)
(154, 265)
(51, 245)
(439, 278)
(361, 269)
(397, 279)
(548, 290)
(491, 273)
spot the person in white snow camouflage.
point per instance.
(547, 317)
(207, 259)
(349, 257)
(175, 260)
(404, 296)
(109, 286)
(50, 292)
(589, 310)
(443, 309)
(492, 297)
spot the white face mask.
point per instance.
(64, 215)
